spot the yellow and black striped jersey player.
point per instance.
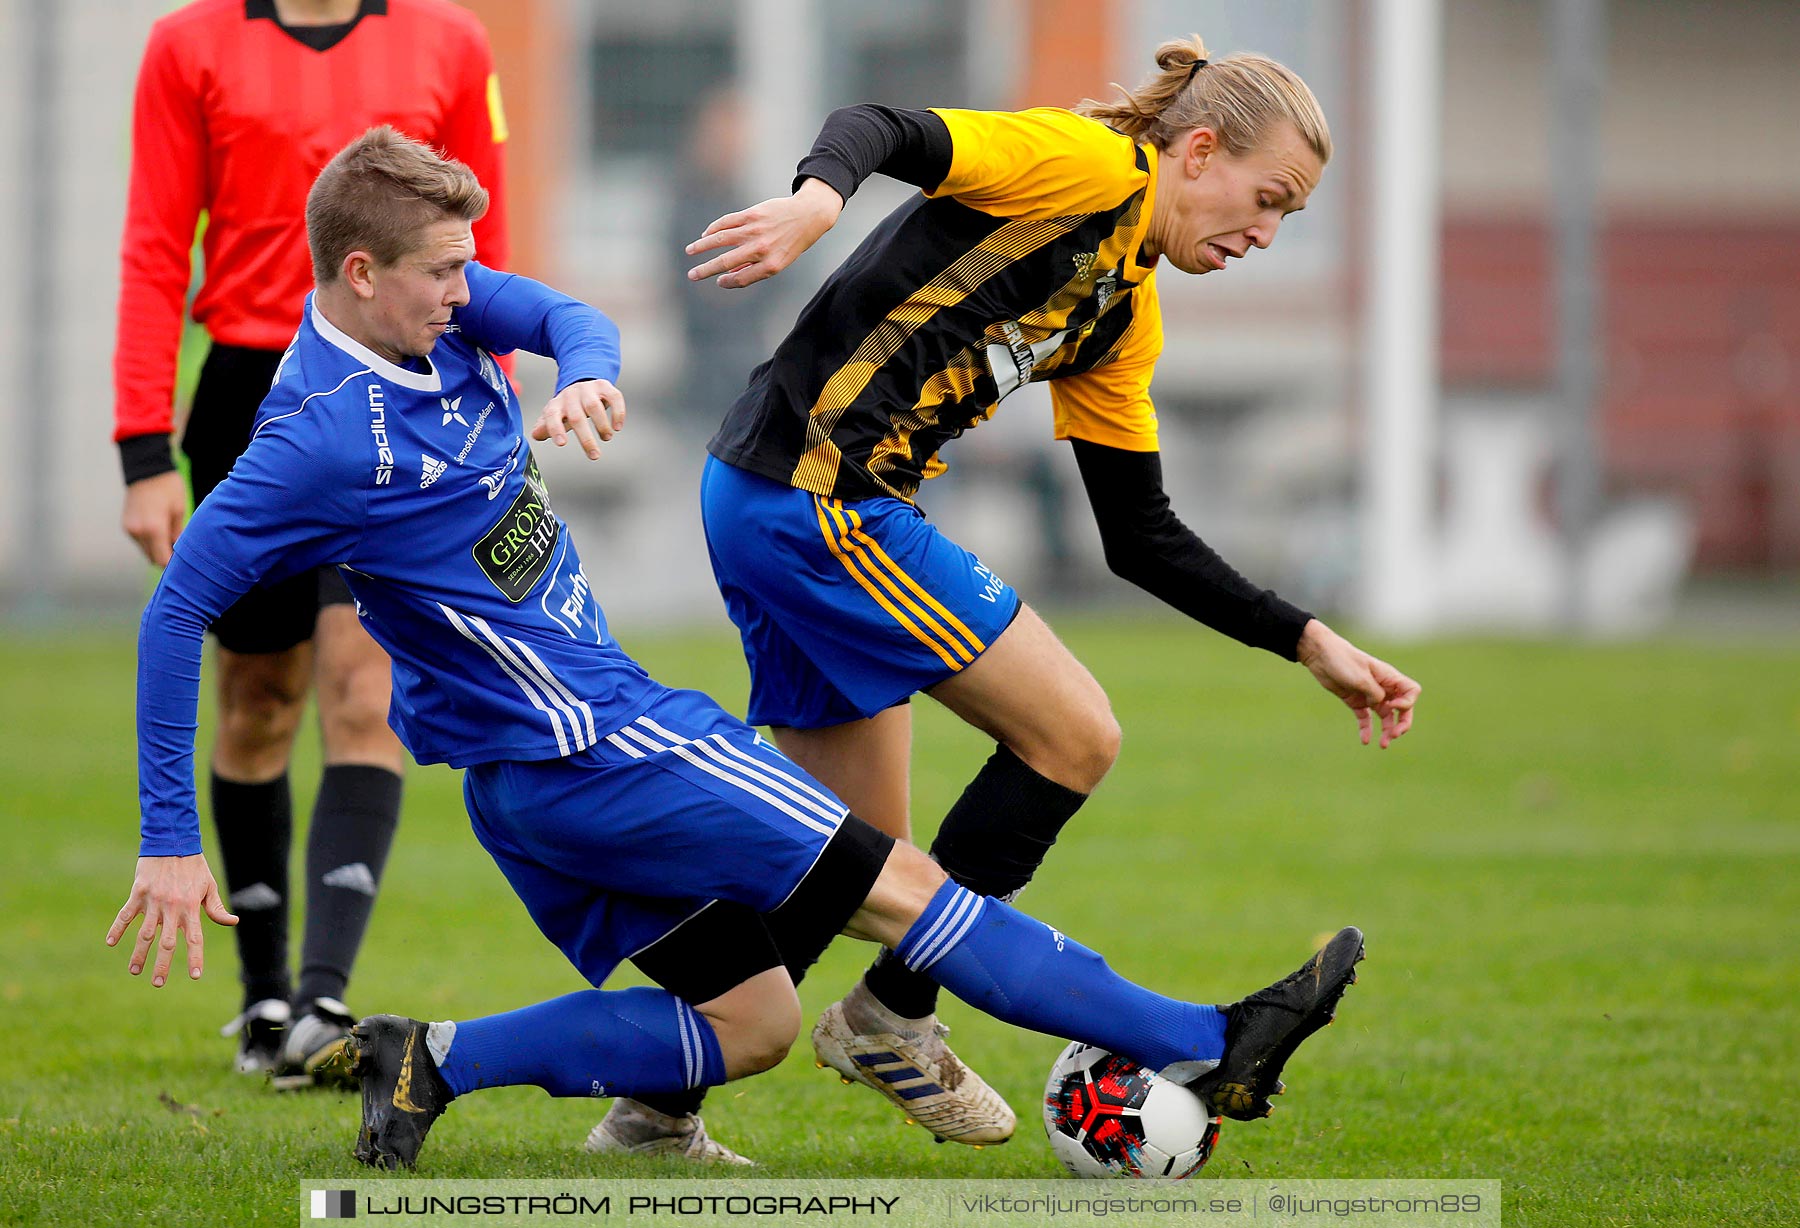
(1032, 253)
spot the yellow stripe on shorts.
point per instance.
(883, 568)
(857, 562)
(875, 546)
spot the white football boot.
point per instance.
(630, 1128)
(907, 1061)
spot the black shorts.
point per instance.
(270, 617)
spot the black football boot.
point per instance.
(1263, 1030)
(402, 1091)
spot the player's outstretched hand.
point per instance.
(764, 239)
(169, 893)
(592, 410)
(155, 509)
(1369, 686)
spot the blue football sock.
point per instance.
(1019, 970)
(593, 1043)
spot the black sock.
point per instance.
(255, 825)
(992, 842)
(675, 1104)
(352, 829)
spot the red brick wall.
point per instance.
(1702, 366)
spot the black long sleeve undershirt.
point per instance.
(145, 456)
(856, 142)
(1147, 544)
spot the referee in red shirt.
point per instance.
(239, 104)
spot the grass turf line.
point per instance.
(1578, 877)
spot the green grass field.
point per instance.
(1580, 877)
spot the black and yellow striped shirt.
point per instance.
(1022, 264)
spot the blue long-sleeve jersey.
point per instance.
(421, 485)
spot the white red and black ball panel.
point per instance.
(1106, 1116)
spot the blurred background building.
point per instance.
(633, 125)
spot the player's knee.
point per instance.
(769, 1046)
(1100, 741)
(259, 710)
(1081, 751)
(751, 1043)
(353, 709)
(756, 1023)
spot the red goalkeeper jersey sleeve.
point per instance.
(236, 116)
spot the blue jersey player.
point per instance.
(617, 808)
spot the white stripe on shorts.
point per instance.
(625, 746)
(799, 782)
(791, 784)
(722, 772)
(776, 779)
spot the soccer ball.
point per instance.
(1109, 1117)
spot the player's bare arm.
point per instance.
(592, 410)
(1369, 686)
(155, 509)
(764, 239)
(170, 893)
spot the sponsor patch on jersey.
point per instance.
(430, 469)
(496, 481)
(515, 553)
(474, 431)
(1104, 289)
(490, 371)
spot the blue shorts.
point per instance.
(846, 607)
(615, 846)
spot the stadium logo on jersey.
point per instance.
(516, 552)
(384, 452)
(452, 411)
(430, 469)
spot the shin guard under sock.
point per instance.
(1019, 970)
(353, 824)
(627, 1042)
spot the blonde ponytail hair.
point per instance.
(1242, 98)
